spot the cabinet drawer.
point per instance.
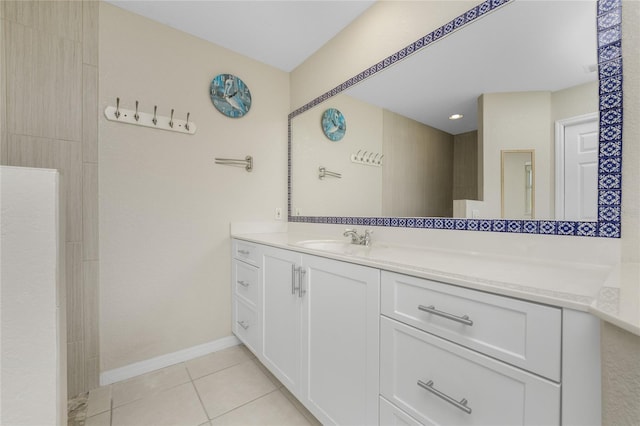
(246, 325)
(246, 282)
(390, 415)
(246, 251)
(527, 335)
(495, 393)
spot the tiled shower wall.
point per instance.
(49, 115)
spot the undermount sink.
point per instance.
(333, 246)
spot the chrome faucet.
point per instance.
(363, 240)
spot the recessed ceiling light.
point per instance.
(455, 116)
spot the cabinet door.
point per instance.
(340, 335)
(281, 316)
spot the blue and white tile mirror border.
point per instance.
(609, 20)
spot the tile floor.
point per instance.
(229, 387)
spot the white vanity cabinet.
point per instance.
(246, 291)
(360, 345)
(321, 334)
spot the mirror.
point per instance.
(402, 162)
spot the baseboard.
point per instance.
(146, 366)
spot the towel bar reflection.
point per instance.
(323, 172)
(247, 162)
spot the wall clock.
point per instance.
(230, 95)
(334, 124)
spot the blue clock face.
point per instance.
(230, 95)
(334, 125)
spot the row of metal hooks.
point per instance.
(367, 158)
(149, 120)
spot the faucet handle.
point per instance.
(367, 237)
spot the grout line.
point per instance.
(193, 383)
(111, 407)
(218, 371)
(204, 408)
(188, 372)
(246, 403)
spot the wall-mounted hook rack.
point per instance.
(367, 158)
(144, 119)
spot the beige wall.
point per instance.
(513, 121)
(48, 111)
(526, 120)
(377, 34)
(359, 191)
(514, 185)
(165, 207)
(418, 169)
(415, 179)
(574, 101)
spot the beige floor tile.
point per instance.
(306, 413)
(272, 409)
(99, 401)
(230, 388)
(217, 361)
(176, 406)
(102, 419)
(137, 387)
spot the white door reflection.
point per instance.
(577, 168)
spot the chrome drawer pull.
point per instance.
(243, 284)
(243, 325)
(432, 310)
(245, 252)
(462, 405)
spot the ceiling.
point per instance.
(278, 33)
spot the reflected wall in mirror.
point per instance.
(517, 181)
(434, 168)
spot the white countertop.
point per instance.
(611, 293)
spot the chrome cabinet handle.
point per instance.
(294, 271)
(243, 325)
(432, 310)
(243, 284)
(462, 404)
(245, 252)
(301, 273)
